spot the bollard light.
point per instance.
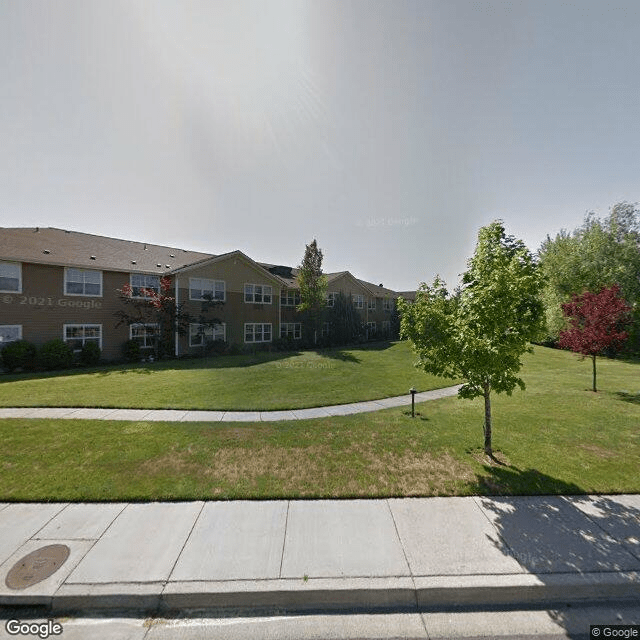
(413, 392)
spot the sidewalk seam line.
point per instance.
(284, 539)
(411, 576)
(193, 526)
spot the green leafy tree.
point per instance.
(481, 333)
(598, 255)
(313, 289)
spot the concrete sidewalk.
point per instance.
(179, 415)
(328, 555)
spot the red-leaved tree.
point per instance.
(159, 311)
(596, 321)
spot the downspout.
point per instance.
(177, 339)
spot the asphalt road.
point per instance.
(566, 622)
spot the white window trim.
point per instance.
(11, 326)
(358, 301)
(213, 282)
(263, 293)
(195, 324)
(371, 325)
(296, 327)
(387, 304)
(254, 324)
(19, 265)
(371, 304)
(331, 298)
(81, 324)
(146, 275)
(86, 295)
(142, 324)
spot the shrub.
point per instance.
(235, 349)
(19, 354)
(56, 354)
(285, 344)
(131, 351)
(90, 354)
(216, 347)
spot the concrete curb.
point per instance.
(334, 595)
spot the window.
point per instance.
(254, 332)
(144, 334)
(325, 329)
(386, 327)
(258, 293)
(10, 333)
(11, 277)
(141, 281)
(386, 305)
(371, 304)
(289, 298)
(358, 301)
(371, 328)
(291, 330)
(331, 298)
(201, 287)
(200, 334)
(77, 335)
(82, 282)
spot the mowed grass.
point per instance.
(264, 381)
(557, 437)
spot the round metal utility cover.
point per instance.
(37, 566)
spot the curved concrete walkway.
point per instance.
(181, 415)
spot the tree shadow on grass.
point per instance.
(568, 542)
(625, 396)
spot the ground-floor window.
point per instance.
(291, 330)
(200, 334)
(325, 329)
(371, 328)
(144, 334)
(257, 332)
(77, 335)
(10, 333)
(386, 326)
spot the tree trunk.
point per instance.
(487, 419)
(594, 373)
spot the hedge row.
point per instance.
(55, 354)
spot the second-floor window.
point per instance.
(289, 298)
(82, 282)
(202, 288)
(358, 301)
(10, 277)
(141, 281)
(371, 304)
(386, 305)
(331, 298)
(258, 293)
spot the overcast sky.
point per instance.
(390, 131)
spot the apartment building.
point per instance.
(65, 284)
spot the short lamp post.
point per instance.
(413, 392)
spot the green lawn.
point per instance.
(259, 382)
(555, 437)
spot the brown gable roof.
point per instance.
(72, 248)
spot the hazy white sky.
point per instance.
(390, 131)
